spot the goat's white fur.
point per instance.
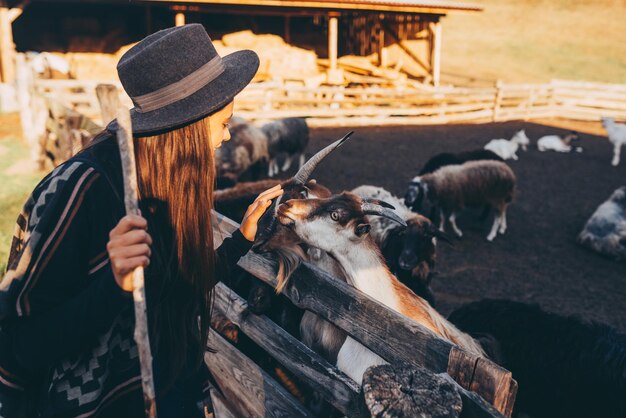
(381, 227)
(617, 135)
(364, 268)
(507, 149)
(555, 143)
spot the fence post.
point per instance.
(109, 100)
(552, 103)
(404, 390)
(33, 111)
(497, 100)
(529, 103)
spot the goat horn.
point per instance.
(379, 202)
(307, 169)
(374, 209)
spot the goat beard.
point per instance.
(285, 244)
(289, 259)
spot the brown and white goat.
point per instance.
(338, 226)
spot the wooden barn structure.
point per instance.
(331, 27)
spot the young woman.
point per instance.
(66, 311)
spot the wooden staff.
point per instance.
(127, 154)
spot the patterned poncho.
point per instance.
(66, 328)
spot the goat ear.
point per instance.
(362, 229)
(437, 233)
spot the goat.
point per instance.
(271, 238)
(565, 367)
(557, 143)
(617, 135)
(409, 252)
(338, 226)
(605, 231)
(473, 184)
(448, 158)
(246, 151)
(286, 136)
(507, 149)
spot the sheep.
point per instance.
(337, 225)
(556, 143)
(286, 136)
(565, 367)
(246, 152)
(473, 184)
(605, 231)
(448, 158)
(617, 136)
(409, 252)
(507, 149)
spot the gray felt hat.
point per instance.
(175, 77)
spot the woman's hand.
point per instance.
(256, 210)
(129, 248)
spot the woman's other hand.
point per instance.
(129, 248)
(256, 210)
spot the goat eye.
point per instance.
(304, 194)
(334, 216)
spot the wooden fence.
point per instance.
(249, 391)
(355, 106)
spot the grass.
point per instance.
(536, 41)
(17, 178)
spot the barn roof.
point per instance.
(399, 6)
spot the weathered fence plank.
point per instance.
(304, 363)
(389, 334)
(257, 394)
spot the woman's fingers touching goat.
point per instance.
(256, 210)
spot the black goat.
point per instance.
(565, 367)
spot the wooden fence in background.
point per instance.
(344, 106)
(248, 390)
(363, 106)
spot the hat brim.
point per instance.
(239, 69)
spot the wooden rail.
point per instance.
(394, 337)
(340, 105)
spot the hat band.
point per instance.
(181, 89)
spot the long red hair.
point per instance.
(176, 175)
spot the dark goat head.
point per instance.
(294, 188)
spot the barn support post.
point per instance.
(148, 19)
(180, 19)
(382, 56)
(334, 75)
(287, 29)
(7, 47)
(435, 55)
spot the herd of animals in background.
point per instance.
(386, 247)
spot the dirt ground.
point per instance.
(538, 259)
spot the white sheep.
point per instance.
(617, 136)
(507, 149)
(557, 143)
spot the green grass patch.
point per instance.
(18, 179)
